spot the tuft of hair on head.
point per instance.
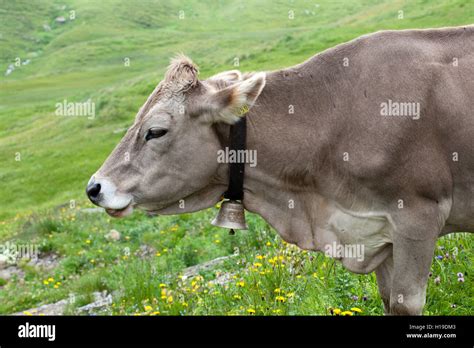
(182, 72)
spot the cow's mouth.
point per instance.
(118, 213)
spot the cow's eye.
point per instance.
(155, 133)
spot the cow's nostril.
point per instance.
(93, 191)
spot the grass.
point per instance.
(266, 275)
(46, 160)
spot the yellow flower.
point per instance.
(257, 264)
(251, 311)
(88, 241)
(92, 261)
(237, 297)
(260, 257)
(50, 279)
(45, 282)
(170, 299)
(269, 244)
(155, 313)
(148, 308)
(280, 299)
(315, 275)
(276, 311)
(158, 253)
(162, 285)
(241, 284)
(347, 313)
(277, 290)
(336, 311)
(217, 241)
(184, 304)
(355, 309)
(290, 294)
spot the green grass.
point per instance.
(84, 58)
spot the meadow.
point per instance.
(114, 53)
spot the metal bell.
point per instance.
(231, 215)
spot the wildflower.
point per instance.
(88, 241)
(184, 304)
(439, 257)
(155, 313)
(290, 294)
(277, 291)
(162, 285)
(170, 299)
(460, 275)
(315, 275)
(50, 279)
(217, 241)
(148, 308)
(237, 297)
(157, 253)
(298, 276)
(27, 313)
(347, 313)
(461, 280)
(355, 309)
(251, 311)
(241, 284)
(260, 257)
(268, 244)
(336, 311)
(45, 282)
(277, 311)
(280, 299)
(257, 264)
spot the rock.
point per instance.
(113, 235)
(60, 20)
(92, 210)
(102, 299)
(45, 262)
(194, 270)
(56, 308)
(145, 251)
(3, 262)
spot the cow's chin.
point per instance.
(119, 213)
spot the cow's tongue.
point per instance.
(120, 212)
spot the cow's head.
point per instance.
(167, 161)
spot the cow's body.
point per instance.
(354, 175)
(336, 163)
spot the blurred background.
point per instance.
(113, 53)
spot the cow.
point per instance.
(368, 144)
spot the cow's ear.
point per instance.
(229, 104)
(230, 76)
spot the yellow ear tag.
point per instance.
(243, 110)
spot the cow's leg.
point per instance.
(384, 273)
(411, 261)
